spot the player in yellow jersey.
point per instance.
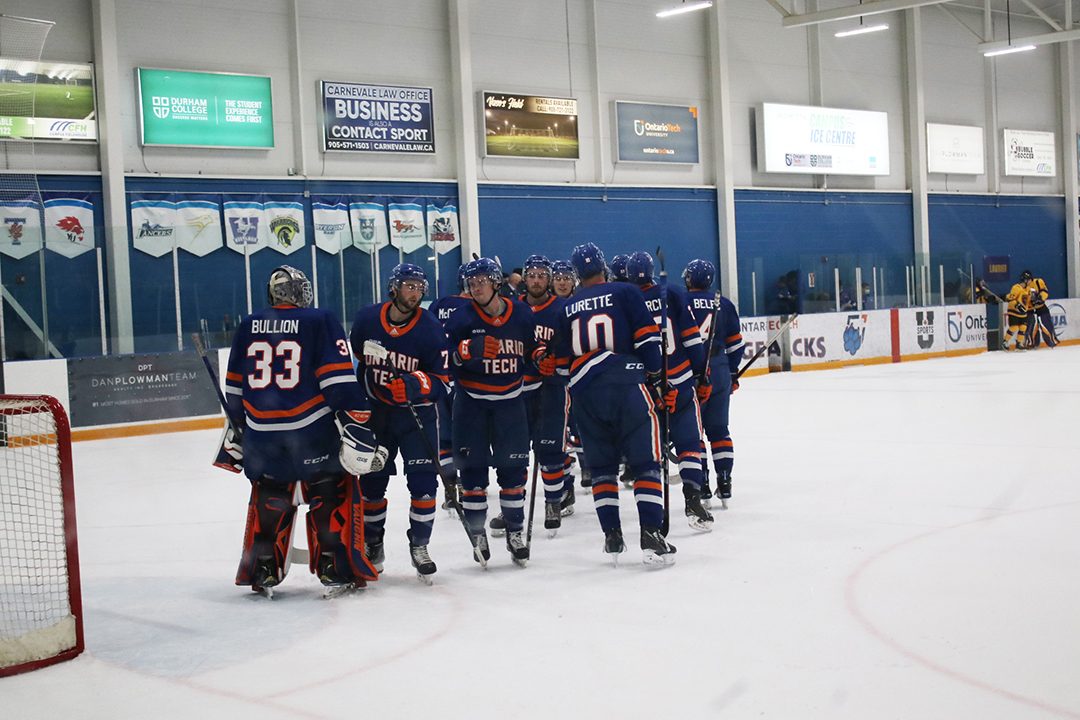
(1020, 306)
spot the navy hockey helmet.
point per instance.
(404, 272)
(588, 260)
(699, 274)
(639, 268)
(289, 286)
(540, 262)
(1026, 276)
(461, 276)
(618, 267)
(563, 268)
(483, 268)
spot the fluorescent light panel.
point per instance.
(863, 29)
(685, 8)
(1009, 50)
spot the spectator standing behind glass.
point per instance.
(847, 301)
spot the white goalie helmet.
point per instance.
(289, 286)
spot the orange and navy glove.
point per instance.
(544, 361)
(411, 387)
(704, 390)
(664, 395)
(734, 386)
(486, 347)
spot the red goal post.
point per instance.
(40, 596)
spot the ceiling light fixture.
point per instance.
(685, 8)
(863, 29)
(1009, 48)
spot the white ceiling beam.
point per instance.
(1044, 39)
(1046, 18)
(876, 7)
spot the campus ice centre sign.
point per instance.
(822, 141)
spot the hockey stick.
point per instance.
(376, 350)
(761, 350)
(712, 335)
(196, 339)
(987, 290)
(664, 419)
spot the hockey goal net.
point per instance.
(40, 602)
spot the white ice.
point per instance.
(903, 542)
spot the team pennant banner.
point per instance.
(443, 233)
(407, 227)
(153, 226)
(331, 219)
(69, 226)
(245, 226)
(21, 235)
(369, 230)
(285, 222)
(198, 226)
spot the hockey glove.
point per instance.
(704, 390)
(483, 346)
(410, 387)
(734, 386)
(544, 361)
(664, 396)
(230, 456)
(360, 453)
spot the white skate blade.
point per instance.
(552, 533)
(723, 503)
(266, 592)
(335, 591)
(654, 562)
(698, 524)
(566, 511)
(521, 562)
(706, 503)
(425, 579)
(497, 532)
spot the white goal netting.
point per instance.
(39, 585)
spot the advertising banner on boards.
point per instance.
(646, 132)
(377, 118)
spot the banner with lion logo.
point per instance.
(285, 223)
(369, 226)
(407, 230)
(69, 226)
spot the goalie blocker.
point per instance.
(289, 371)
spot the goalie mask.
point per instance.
(289, 286)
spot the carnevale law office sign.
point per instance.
(1030, 153)
(822, 141)
(955, 149)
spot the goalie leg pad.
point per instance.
(336, 526)
(268, 532)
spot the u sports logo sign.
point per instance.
(924, 328)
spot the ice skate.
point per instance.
(566, 507)
(656, 551)
(421, 560)
(497, 526)
(698, 517)
(519, 551)
(376, 554)
(333, 584)
(614, 544)
(481, 551)
(265, 577)
(552, 519)
(723, 489)
(706, 494)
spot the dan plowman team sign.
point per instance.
(377, 118)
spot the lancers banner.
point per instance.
(369, 230)
(331, 219)
(245, 226)
(21, 235)
(407, 226)
(153, 226)
(443, 232)
(69, 226)
(656, 133)
(377, 118)
(285, 222)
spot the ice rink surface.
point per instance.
(903, 542)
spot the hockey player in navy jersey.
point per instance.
(618, 267)
(492, 339)
(564, 279)
(614, 383)
(442, 308)
(726, 353)
(547, 399)
(289, 370)
(563, 282)
(685, 361)
(410, 369)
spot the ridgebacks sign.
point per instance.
(377, 118)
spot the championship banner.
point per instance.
(198, 226)
(21, 235)
(407, 227)
(245, 226)
(443, 232)
(369, 229)
(285, 222)
(69, 226)
(153, 226)
(377, 118)
(331, 219)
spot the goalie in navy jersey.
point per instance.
(493, 338)
(726, 353)
(614, 345)
(289, 370)
(407, 366)
(685, 362)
